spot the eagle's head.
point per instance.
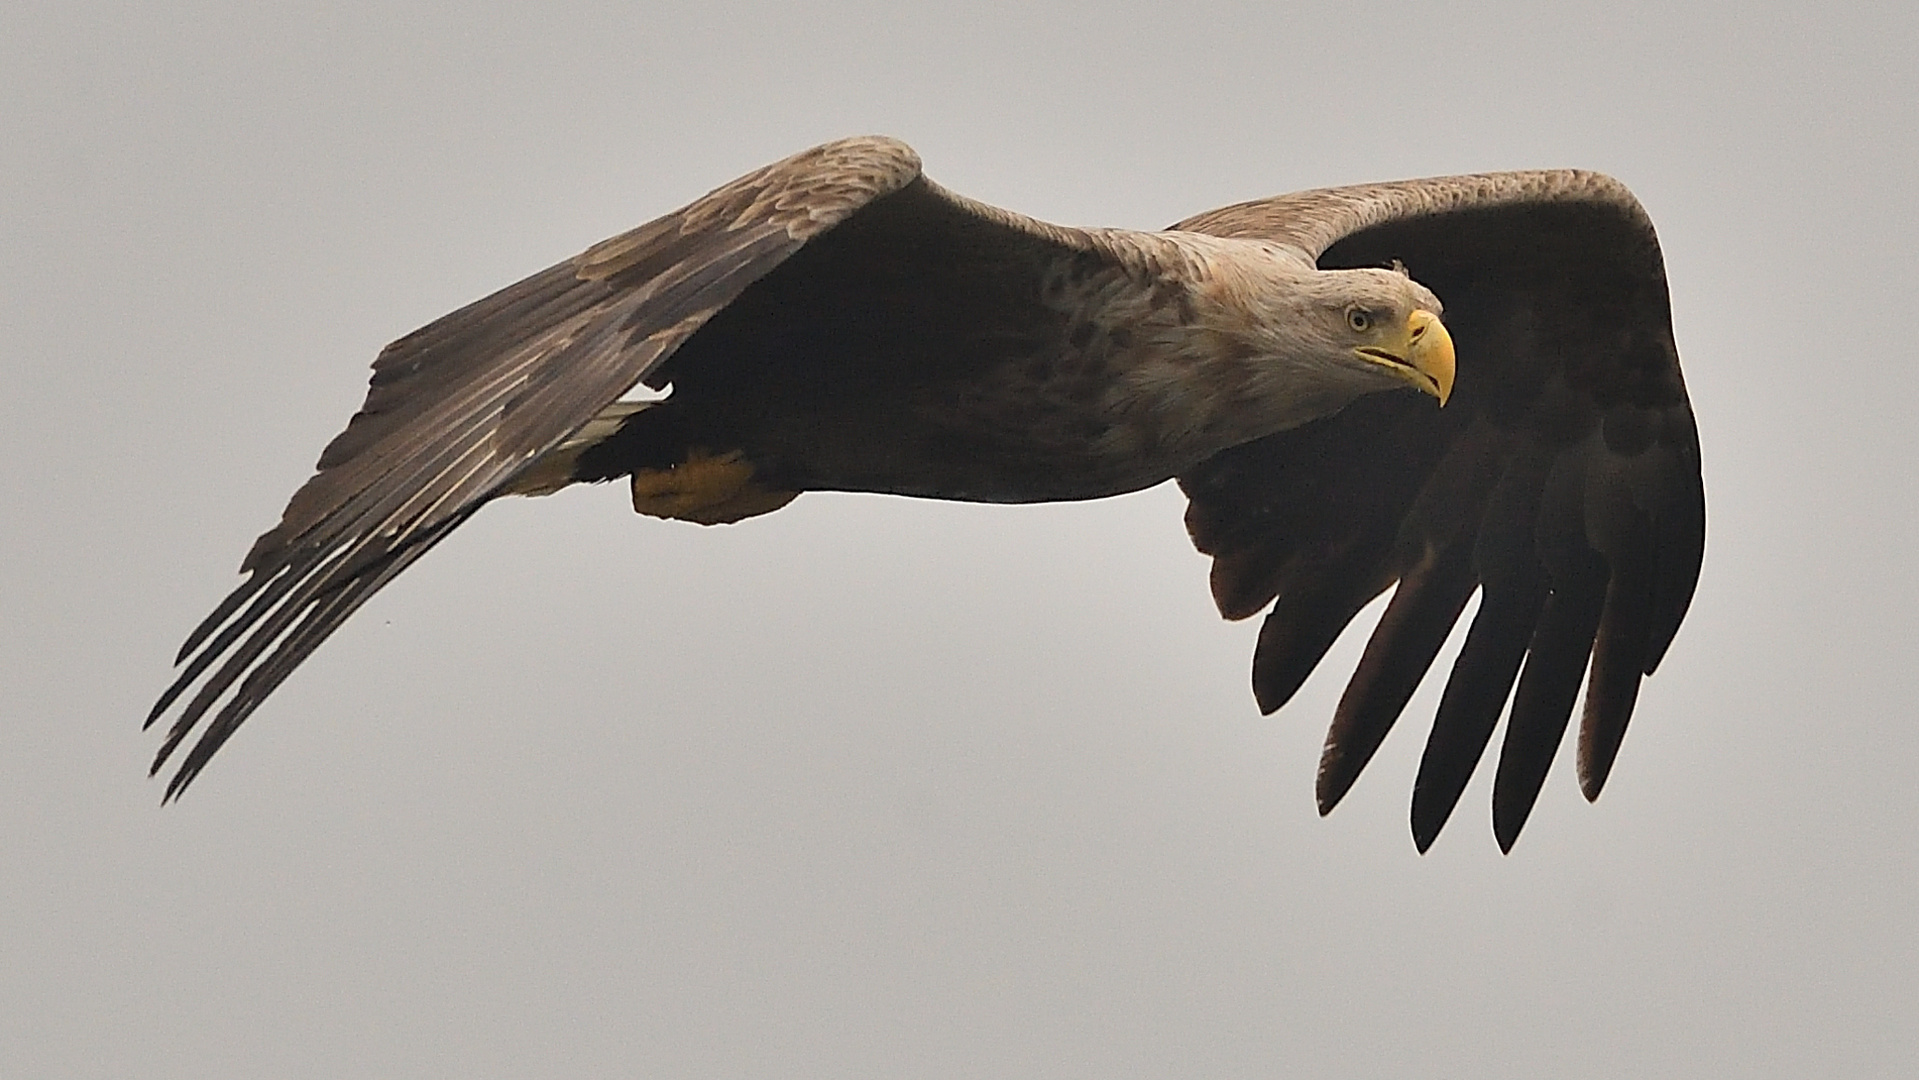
(1379, 327)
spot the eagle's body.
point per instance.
(836, 321)
(1116, 376)
(1039, 374)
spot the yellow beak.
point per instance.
(1423, 358)
(1430, 352)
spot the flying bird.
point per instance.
(838, 321)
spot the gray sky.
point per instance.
(873, 787)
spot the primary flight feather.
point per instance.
(837, 321)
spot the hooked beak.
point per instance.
(1423, 358)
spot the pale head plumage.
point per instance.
(1270, 344)
(1366, 330)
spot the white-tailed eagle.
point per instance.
(837, 321)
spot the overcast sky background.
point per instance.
(873, 787)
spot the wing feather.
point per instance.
(1429, 600)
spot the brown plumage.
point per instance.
(837, 321)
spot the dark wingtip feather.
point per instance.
(1243, 583)
(1611, 692)
(1476, 692)
(175, 734)
(1301, 627)
(1680, 531)
(167, 699)
(177, 786)
(1423, 838)
(240, 595)
(1423, 610)
(1618, 660)
(1543, 701)
(1282, 660)
(1432, 808)
(1682, 550)
(1603, 731)
(1506, 833)
(1460, 733)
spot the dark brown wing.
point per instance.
(1562, 481)
(458, 408)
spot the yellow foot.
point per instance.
(708, 488)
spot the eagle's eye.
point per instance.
(1359, 319)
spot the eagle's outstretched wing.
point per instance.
(460, 407)
(1562, 481)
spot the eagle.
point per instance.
(836, 321)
